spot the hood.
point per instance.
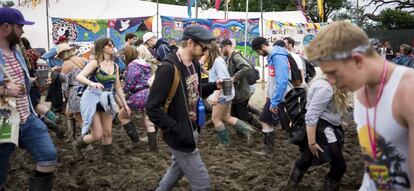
(160, 42)
(278, 51)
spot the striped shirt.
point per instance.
(16, 72)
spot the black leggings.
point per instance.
(338, 164)
(240, 111)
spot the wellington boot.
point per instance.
(268, 142)
(106, 151)
(77, 146)
(330, 185)
(223, 136)
(60, 132)
(133, 136)
(152, 141)
(41, 183)
(244, 129)
(295, 177)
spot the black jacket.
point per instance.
(176, 125)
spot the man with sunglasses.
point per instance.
(179, 126)
(33, 136)
(383, 104)
(277, 58)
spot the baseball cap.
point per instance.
(198, 33)
(147, 36)
(13, 16)
(258, 42)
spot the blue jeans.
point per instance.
(35, 139)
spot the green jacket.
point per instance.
(239, 69)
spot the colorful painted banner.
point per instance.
(172, 28)
(83, 32)
(302, 33)
(120, 27)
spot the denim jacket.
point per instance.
(23, 64)
(90, 98)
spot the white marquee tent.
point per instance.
(103, 9)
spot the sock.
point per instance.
(42, 174)
(267, 130)
(50, 115)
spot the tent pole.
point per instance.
(47, 24)
(262, 25)
(158, 17)
(196, 9)
(245, 28)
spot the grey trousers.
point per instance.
(190, 165)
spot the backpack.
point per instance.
(292, 114)
(296, 79)
(310, 70)
(254, 74)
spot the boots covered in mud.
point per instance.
(295, 177)
(106, 151)
(133, 136)
(41, 183)
(152, 141)
(245, 130)
(71, 129)
(330, 184)
(77, 146)
(268, 143)
(53, 126)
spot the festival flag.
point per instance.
(218, 2)
(190, 5)
(320, 7)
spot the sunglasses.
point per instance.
(203, 47)
(110, 44)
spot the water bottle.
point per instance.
(201, 113)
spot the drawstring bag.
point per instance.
(9, 121)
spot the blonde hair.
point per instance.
(341, 36)
(341, 100)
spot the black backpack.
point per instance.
(254, 74)
(296, 79)
(310, 70)
(292, 114)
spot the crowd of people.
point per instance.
(162, 83)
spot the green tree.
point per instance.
(311, 9)
(396, 19)
(7, 3)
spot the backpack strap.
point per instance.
(173, 89)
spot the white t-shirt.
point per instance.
(300, 63)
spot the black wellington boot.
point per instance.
(44, 183)
(152, 141)
(330, 185)
(295, 177)
(133, 136)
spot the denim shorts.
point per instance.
(35, 139)
(268, 117)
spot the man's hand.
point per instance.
(14, 90)
(273, 109)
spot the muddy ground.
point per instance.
(236, 169)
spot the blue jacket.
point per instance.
(278, 75)
(23, 64)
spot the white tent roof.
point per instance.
(102, 9)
